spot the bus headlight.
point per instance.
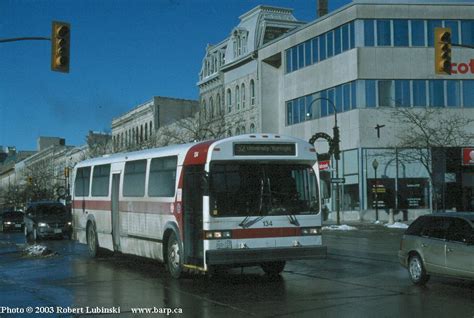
(217, 235)
(41, 224)
(311, 231)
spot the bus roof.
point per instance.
(199, 150)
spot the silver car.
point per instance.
(439, 244)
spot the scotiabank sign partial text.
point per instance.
(462, 68)
(468, 156)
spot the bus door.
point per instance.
(193, 192)
(115, 211)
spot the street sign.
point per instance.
(338, 180)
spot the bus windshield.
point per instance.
(246, 189)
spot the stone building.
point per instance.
(139, 125)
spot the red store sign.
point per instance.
(468, 156)
(462, 68)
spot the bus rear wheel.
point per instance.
(273, 268)
(174, 260)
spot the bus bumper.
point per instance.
(258, 255)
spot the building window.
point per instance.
(218, 104)
(242, 130)
(242, 93)
(252, 128)
(418, 33)
(146, 131)
(436, 93)
(384, 33)
(330, 44)
(468, 93)
(337, 41)
(151, 128)
(419, 93)
(400, 32)
(252, 92)
(370, 93)
(229, 100)
(432, 24)
(467, 28)
(237, 97)
(237, 131)
(402, 93)
(386, 93)
(453, 93)
(204, 109)
(211, 108)
(307, 53)
(369, 39)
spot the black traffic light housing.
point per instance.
(60, 44)
(442, 44)
(336, 140)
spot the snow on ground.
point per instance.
(38, 250)
(343, 227)
(397, 225)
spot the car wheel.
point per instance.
(273, 268)
(417, 271)
(34, 235)
(174, 260)
(28, 236)
(92, 241)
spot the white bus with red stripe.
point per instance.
(239, 201)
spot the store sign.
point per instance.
(324, 165)
(468, 156)
(463, 68)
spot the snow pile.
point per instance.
(38, 250)
(342, 227)
(397, 225)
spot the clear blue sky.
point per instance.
(123, 52)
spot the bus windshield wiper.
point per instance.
(246, 223)
(293, 219)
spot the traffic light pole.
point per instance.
(30, 38)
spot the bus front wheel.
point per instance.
(273, 268)
(174, 256)
(92, 241)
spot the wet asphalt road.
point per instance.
(360, 278)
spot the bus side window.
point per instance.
(82, 182)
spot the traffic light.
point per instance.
(66, 172)
(60, 42)
(30, 180)
(442, 44)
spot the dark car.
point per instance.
(439, 244)
(11, 221)
(47, 219)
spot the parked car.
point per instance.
(11, 220)
(47, 219)
(439, 244)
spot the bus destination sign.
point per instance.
(270, 149)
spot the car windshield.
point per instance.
(49, 210)
(245, 189)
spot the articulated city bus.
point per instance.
(239, 201)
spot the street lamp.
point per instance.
(334, 146)
(375, 165)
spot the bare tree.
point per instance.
(98, 144)
(422, 130)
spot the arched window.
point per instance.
(252, 92)
(204, 110)
(211, 108)
(237, 131)
(229, 100)
(242, 94)
(242, 130)
(237, 96)
(229, 133)
(252, 128)
(218, 104)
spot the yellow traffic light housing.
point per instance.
(442, 44)
(60, 43)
